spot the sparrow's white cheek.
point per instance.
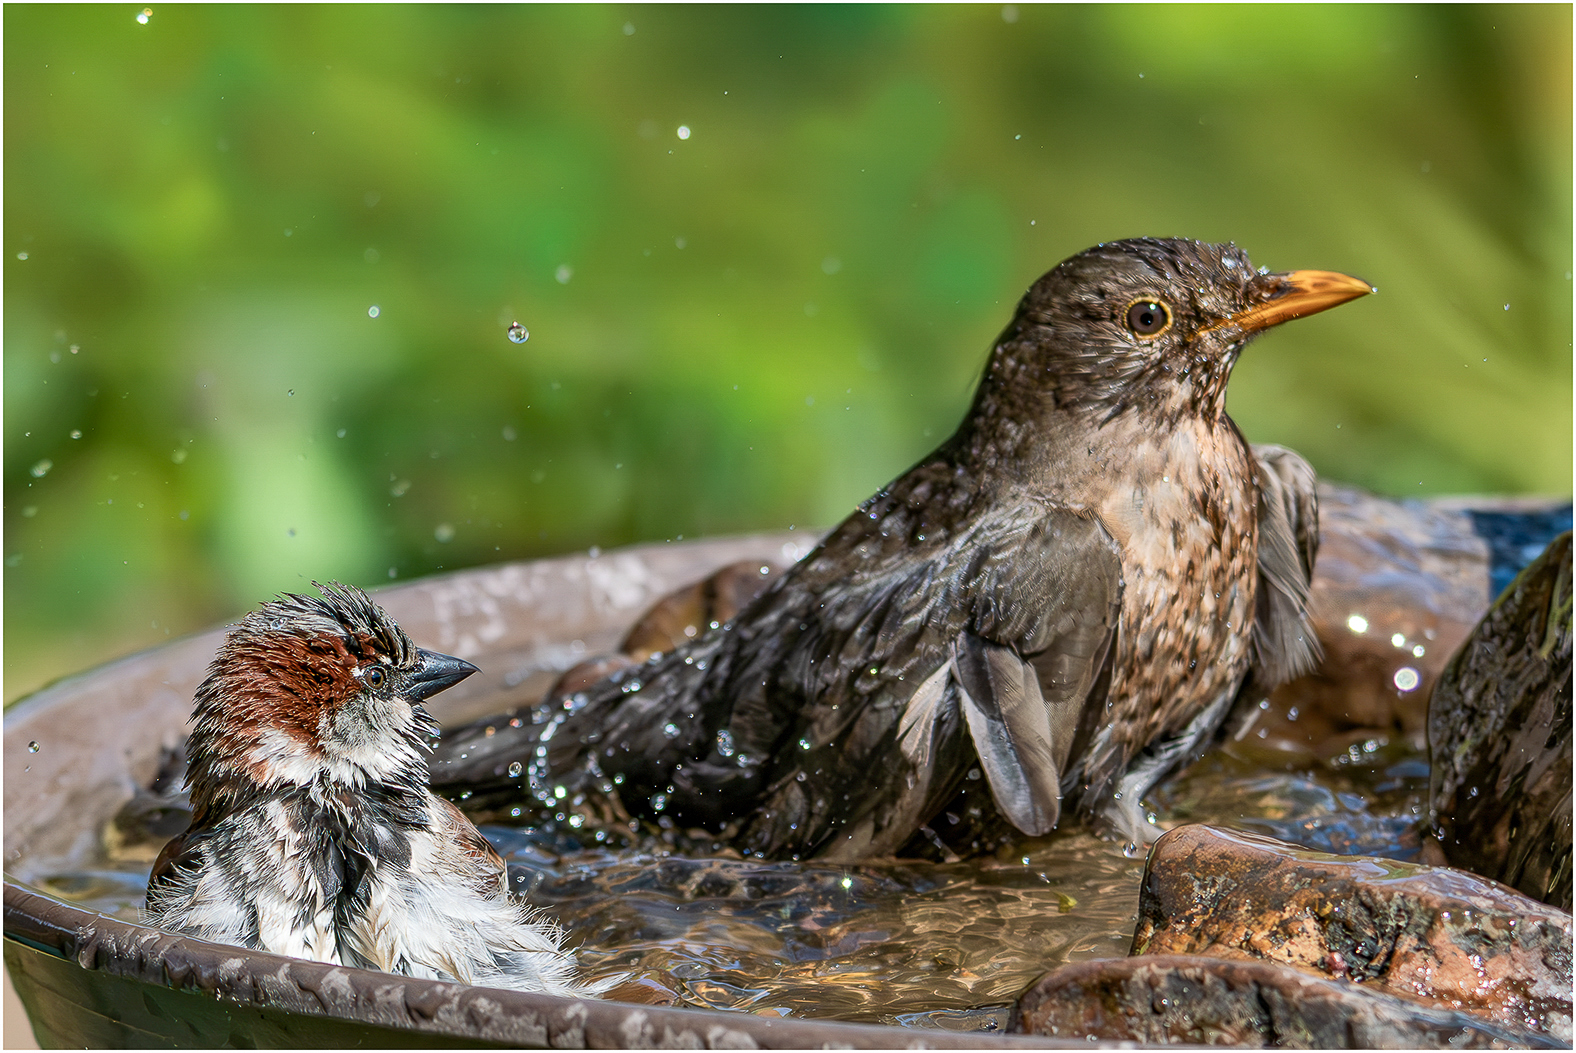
(369, 733)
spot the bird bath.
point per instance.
(756, 953)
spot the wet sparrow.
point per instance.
(313, 832)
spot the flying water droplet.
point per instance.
(1406, 678)
(373, 311)
(42, 468)
(725, 742)
(33, 747)
(515, 770)
(518, 334)
(671, 730)
(143, 16)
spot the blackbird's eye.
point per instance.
(1148, 318)
(374, 677)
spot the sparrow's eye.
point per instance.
(374, 677)
(1148, 317)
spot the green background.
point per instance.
(752, 327)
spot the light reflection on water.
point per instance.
(909, 942)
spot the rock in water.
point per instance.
(1499, 732)
(1212, 1001)
(1435, 935)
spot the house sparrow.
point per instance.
(1067, 595)
(313, 832)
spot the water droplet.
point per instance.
(1406, 678)
(659, 801)
(291, 392)
(629, 29)
(76, 349)
(847, 882)
(1357, 624)
(76, 433)
(564, 273)
(444, 532)
(373, 311)
(515, 769)
(804, 744)
(1418, 651)
(42, 468)
(400, 488)
(21, 255)
(1397, 640)
(33, 747)
(178, 456)
(725, 742)
(671, 730)
(684, 132)
(143, 16)
(560, 793)
(1009, 13)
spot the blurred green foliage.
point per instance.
(751, 326)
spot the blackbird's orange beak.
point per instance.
(1295, 295)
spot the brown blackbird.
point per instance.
(1068, 594)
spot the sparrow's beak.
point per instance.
(436, 672)
(1293, 295)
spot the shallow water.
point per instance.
(948, 945)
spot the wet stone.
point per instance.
(1437, 936)
(1391, 578)
(675, 619)
(1258, 1004)
(1499, 730)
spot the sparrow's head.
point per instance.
(309, 687)
(1152, 323)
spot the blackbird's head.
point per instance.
(1152, 323)
(309, 687)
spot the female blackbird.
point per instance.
(313, 832)
(1068, 593)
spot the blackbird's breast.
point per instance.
(1188, 528)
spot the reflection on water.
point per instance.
(895, 942)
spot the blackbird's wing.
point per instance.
(1284, 643)
(1005, 633)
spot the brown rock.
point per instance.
(1499, 731)
(1392, 579)
(1438, 936)
(1217, 1002)
(683, 615)
(676, 618)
